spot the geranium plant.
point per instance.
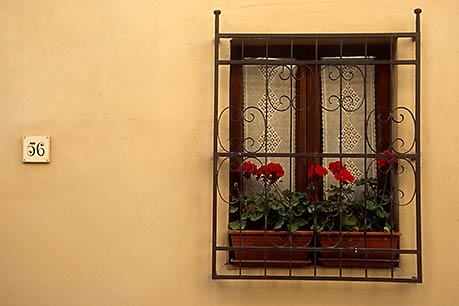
(338, 198)
(343, 210)
(332, 208)
(282, 209)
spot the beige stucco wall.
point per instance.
(122, 215)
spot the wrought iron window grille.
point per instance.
(288, 106)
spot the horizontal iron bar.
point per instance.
(324, 278)
(312, 249)
(317, 35)
(344, 61)
(317, 155)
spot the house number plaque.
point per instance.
(36, 149)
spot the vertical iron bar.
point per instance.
(365, 132)
(316, 99)
(266, 151)
(340, 153)
(215, 163)
(418, 143)
(291, 113)
(241, 108)
(291, 149)
(391, 180)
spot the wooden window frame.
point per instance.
(308, 127)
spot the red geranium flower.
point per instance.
(275, 170)
(272, 171)
(385, 162)
(248, 169)
(261, 171)
(344, 176)
(335, 166)
(340, 172)
(317, 170)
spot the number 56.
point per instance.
(35, 148)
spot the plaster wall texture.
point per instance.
(122, 214)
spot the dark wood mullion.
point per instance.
(236, 113)
(235, 126)
(383, 103)
(383, 96)
(236, 107)
(315, 129)
(309, 127)
(301, 129)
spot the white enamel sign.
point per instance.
(36, 149)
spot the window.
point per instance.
(322, 152)
(289, 96)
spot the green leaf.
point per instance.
(256, 216)
(301, 221)
(350, 222)
(381, 213)
(235, 225)
(294, 202)
(281, 211)
(233, 208)
(295, 225)
(279, 223)
(370, 205)
(359, 182)
(313, 208)
(260, 208)
(275, 205)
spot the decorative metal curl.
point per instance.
(291, 72)
(290, 243)
(332, 99)
(341, 74)
(386, 115)
(401, 194)
(246, 115)
(249, 117)
(344, 101)
(342, 237)
(393, 169)
(217, 171)
(382, 193)
(398, 143)
(289, 101)
(234, 165)
(219, 120)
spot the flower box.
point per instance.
(354, 254)
(285, 243)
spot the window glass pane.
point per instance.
(348, 108)
(269, 117)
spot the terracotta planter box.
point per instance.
(283, 240)
(355, 241)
